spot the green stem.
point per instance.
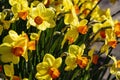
(106, 61)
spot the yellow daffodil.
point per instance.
(86, 8)
(110, 38)
(48, 69)
(114, 69)
(70, 16)
(15, 45)
(4, 24)
(41, 17)
(73, 33)
(12, 52)
(9, 71)
(13, 36)
(19, 9)
(75, 57)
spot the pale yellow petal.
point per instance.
(45, 77)
(72, 33)
(41, 8)
(9, 70)
(5, 48)
(42, 68)
(97, 27)
(15, 59)
(43, 26)
(81, 49)
(83, 22)
(57, 62)
(70, 61)
(7, 39)
(14, 36)
(7, 57)
(73, 49)
(49, 59)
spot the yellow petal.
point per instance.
(83, 22)
(67, 4)
(73, 49)
(12, 2)
(72, 33)
(104, 49)
(9, 70)
(81, 49)
(97, 27)
(7, 39)
(14, 36)
(42, 68)
(70, 61)
(45, 77)
(15, 59)
(57, 62)
(41, 8)
(43, 26)
(49, 59)
(5, 48)
(7, 57)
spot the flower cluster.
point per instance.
(54, 40)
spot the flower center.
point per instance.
(95, 58)
(77, 10)
(102, 34)
(118, 64)
(113, 43)
(16, 78)
(82, 29)
(86, 12)
(23, 15)
(38, 20)
(70, 39)
(82, 61)
(117, 29)
(17, 51)
(54, 73)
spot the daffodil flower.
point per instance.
(12, 52)
(14, 46)
(41, 17)
(48, 69)
(75, 57)
(73, 33)
(111, 38)
(70, 16)
(114, 69)
(4, 24)
(19, 8)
